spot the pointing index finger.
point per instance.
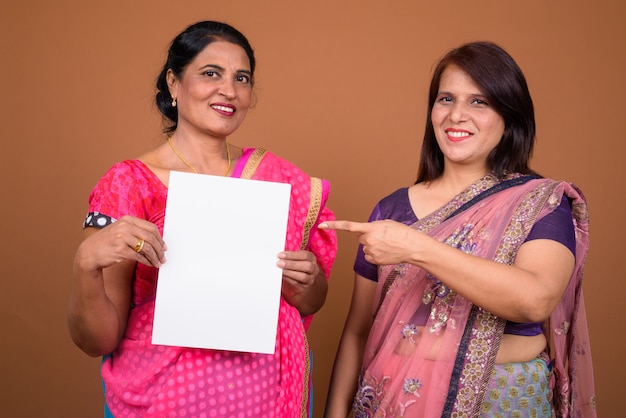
(344, 226)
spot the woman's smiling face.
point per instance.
(214, 92)
(467, 128)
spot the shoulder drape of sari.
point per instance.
(430, 352)
(142, 379)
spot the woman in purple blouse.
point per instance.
(467, 297)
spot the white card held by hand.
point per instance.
(220, 287)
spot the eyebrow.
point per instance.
(470, 94)
(217, 67)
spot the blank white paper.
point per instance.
(220, 286)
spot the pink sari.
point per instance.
(441, 368)
(146, 380)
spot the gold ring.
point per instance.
(139, 246)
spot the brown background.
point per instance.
(341, 91)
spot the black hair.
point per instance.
(504, 86)
(183, 49)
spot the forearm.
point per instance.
(345, 375)
(98, 304)
(92, 317)
(349, 359)
(521, 293)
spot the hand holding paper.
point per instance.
(304, 282)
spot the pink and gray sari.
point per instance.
(146, 380)
(431, 352)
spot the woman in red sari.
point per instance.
(204, 92)
(467, 298)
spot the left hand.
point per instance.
(384, 242)
(304, 283)
(300, 269)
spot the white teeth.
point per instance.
(224, 108)
(457, 134)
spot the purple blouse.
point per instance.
(557, 226)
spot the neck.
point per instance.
(210, 162)
(458, 180)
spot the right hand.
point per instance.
(116, 242)
(384, 242)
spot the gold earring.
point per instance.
(173, 102)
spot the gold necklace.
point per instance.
(188, 164)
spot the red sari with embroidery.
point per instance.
(430, 351)
(146, 380)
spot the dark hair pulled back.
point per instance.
(183, 49)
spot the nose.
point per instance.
(458, 112)
(227, 90)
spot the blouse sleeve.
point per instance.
(558, 226)
(124, 189)
(363, 267)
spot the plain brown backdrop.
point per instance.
(341, 90)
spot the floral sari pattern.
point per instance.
(431, 352)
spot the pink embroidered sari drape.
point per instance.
(146, 380)
(430, 351)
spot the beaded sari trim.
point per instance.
(469, 383)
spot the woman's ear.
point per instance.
(172, 83)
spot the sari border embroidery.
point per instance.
(307, 375)
(315, 200)
(391, 278)
(512, 182)
(253, 163)
(467, 390)
(315, 203)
